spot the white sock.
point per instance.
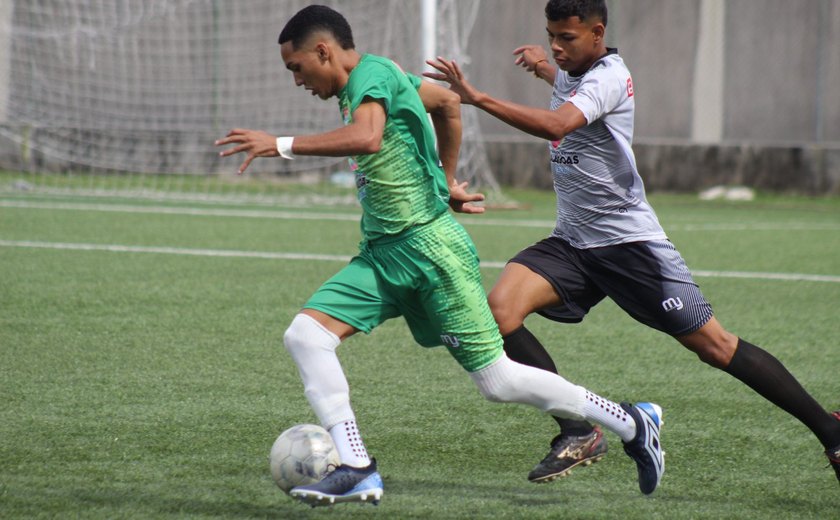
(511, 382)
(312, 347)
(508, 381)
(610, 415)
(349, 443)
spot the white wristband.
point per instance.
(284, 146)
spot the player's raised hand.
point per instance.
(450, 72)
(255, 143)
(528, 56)
(459, 199)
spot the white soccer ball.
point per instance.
(302, 455)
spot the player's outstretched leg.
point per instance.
(638, 426)
(345, 484)
(567, 452)
(833, 454)
(645, 448)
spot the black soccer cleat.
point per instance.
(345, 484)
(645, 448)
(567, 452)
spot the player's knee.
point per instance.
(294, 338)
(303, 333)
(496, 394)
(709, 357)
(496, 304)
(720, 355)
(504, 312)
(717, 350)
(497, 383)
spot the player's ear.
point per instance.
(323, 51)
(598, 31)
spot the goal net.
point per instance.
(105, 97)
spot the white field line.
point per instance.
(225, 253)
(166, 210)
(354, 217)
(114, 248)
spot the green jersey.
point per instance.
(403, 184)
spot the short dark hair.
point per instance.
(562, 9)
(313, 19)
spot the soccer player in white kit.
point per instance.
(608, 240)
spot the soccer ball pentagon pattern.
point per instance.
(302, 455)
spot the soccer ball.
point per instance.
(302, 455)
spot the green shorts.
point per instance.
(429, 275)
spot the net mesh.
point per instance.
(131, 95)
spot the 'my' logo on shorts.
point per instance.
(450, 341)
(672, 304)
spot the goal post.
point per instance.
(128, 97)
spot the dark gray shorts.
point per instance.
(649, 280)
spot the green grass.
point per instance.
(140, 385)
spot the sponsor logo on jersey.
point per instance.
(672, 304)
(629, 87)
(361, 178)
(361, 181)
(564, 158)
(450, 341)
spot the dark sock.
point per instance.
(522, 347)
(766, 375)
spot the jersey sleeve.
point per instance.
(600, 93)
(414, 80)
(376, 83)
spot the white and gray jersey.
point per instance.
(600, 196)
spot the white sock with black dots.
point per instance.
(349, 443)
(610, 415)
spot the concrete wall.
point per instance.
(772, 75)
(811, 170)
(727, 91)
(780, 70)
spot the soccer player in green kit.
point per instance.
(414, 261)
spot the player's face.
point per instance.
(575, 45)
(309, 66)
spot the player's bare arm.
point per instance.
(546, 124)
(363, 136)
(444, 107)
(534, 59)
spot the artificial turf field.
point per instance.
(142, 373)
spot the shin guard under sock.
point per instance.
(523, 347)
